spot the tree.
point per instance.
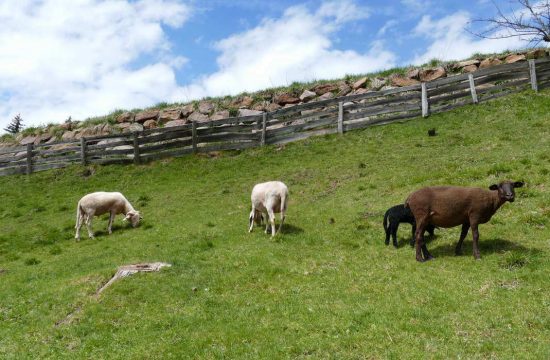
(531, 22)
(16, 125)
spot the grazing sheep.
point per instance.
(99, 203)
(400, 214)
(268, 198)
(449, 206)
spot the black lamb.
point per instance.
(400, 214)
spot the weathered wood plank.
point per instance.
(385, 102)
(165, 136)
(511, 84)
(302, 127)
(500, 69)
(533, 75)
(500, 94)
(228, 146)
(17, 170)
(386, 119)
(112, 161)
(454, 96)
(194, 136)
(68, 158)
(425, 103)
(264, 128)
(227, 136)
(22, 162)
(432, 94)
(383, 110)
(129, 151)
(29, 158)
(83, 151)
(43, 167)
(472, 88)
(228, 128)
(14, 150)
(502, 77)
(446, 81)
(169, 145)
(340, 117)
(109, 145)
(136, 149)
(8, 159)
(306, 117)
(283, 139)
(165, 154)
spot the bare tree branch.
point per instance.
(530, 23)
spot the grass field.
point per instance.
(327, 287)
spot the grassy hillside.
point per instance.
(327, 287)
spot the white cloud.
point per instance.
(450, 40)
(81, 57)
(295, 47)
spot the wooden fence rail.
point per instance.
(336, 115)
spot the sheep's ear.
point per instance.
(493, 187)
(518, 184)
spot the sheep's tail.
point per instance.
(385, 222)
(283, 201)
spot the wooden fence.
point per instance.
(336, 115)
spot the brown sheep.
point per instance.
(450, 206)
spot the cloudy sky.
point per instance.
(83, 58)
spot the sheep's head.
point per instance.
(506, 189)
(134, 217)
(257, 217)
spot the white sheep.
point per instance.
(268, 198)
(99, 203)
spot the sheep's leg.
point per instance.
(111, 219)
(78, 226)
(421, 248)
(413, 233)
(388, 232)
(89, 218)
(394, 228)
(418, 243)
(282, 221)
(475, 236)
(463, 233)
(251, 220)
(271, 215)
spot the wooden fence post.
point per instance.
(472, 88)
(137, 159)
(264, 127)
(340, 117)
(83, 150)
(29, 158)
(425, 105)
(533, 73)
(194, 136)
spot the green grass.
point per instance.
(327, 287)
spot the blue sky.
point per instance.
(83, 58)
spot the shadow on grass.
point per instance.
(289, 229)
(406, 242)
(487, 246)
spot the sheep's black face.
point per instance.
(506, 189)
